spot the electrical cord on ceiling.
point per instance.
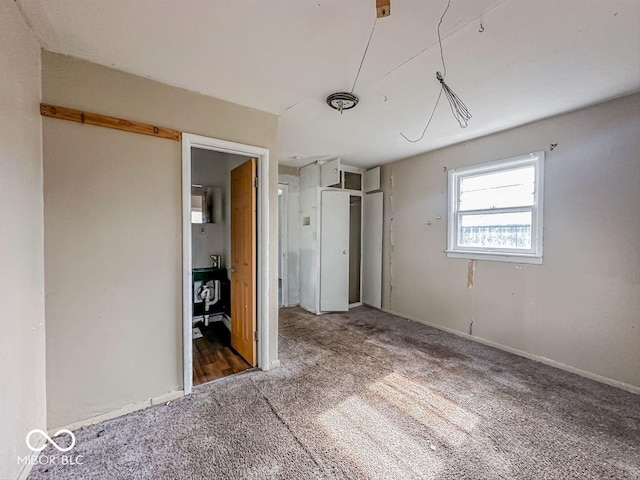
(458, 108)
(364, 55)
(444, 65)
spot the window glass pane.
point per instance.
(507, 188)
(495, 230)
(196, 217)
(197, 208)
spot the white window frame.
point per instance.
(534, 255)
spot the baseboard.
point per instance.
(274, 364)
(227, 321)
(24, 473)
(310, 310)
(547, 361)
(167, 397)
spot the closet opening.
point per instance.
(355, 249)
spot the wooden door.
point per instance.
(243, 261)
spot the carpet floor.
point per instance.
(367, 395)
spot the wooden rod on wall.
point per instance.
(79, 116)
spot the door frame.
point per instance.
(283, 226)
(190, 141)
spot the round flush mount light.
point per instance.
(342, 101)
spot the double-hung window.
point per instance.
(495, 210)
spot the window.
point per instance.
(495, 210)
(197, 208)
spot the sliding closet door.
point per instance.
(334, 251)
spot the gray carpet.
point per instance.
(370, 395)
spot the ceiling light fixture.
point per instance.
(342, 101)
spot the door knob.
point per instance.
(344, 252)
(232, 270)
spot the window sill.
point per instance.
(496, 257)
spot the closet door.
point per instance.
(330, 173)
(334, 251)
(372, 250)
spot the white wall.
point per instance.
(213, 169)
(22, 342)
(289, 176)
(308, 259)
(113, 235)
(580, 307)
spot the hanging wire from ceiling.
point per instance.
(365, 54)
(342, 101)
(458, 108)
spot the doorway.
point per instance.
(283, 245)
(219, 193)
(225, 269)
(355, 250)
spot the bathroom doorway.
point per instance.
(221, 253)
(217, 257)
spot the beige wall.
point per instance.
(22, 341)
(581, 306)
(113, 235)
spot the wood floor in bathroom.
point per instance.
(213, 360)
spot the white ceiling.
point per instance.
(535, 59)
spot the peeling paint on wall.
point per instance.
(391, 239)
(471, 272)
(579, 308)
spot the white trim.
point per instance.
(360, 302)
(26, 470)
(535, 254)
(285, 241)
(134, 407)
(547, 361)
(227, 322)
(274, 364)
(317, 239)
(307, 309)
(354, 193)
(496, 257)
(350, 169)
(190, 141)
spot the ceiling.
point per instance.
(533, 60)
